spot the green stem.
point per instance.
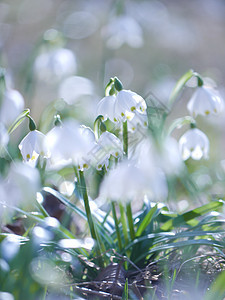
(124, 223)
(125, 139)
(130, 221)
(89, 215)
(179, 86)
(116, 225)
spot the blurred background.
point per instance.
(55, 49)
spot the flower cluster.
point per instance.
(121, 105)
(206, 101)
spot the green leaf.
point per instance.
(191, 215)
(18, 120)
(179, 86)
(65, 201)
(178, 123)
(125, 291)
(146, 221)
(180, 244)
(217, 288)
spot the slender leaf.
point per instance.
(18, 120)
(191, 215)
(146, 221)
(179, 86)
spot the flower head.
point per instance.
(106, 108)
(55, 64)
(66, 144)
(205, 101)
(12, 106)
(195, 144)
(32, 146)
(121, 30)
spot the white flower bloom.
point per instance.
(195, 144)
(75, 87)
(22, 185)
(85, 160)
(127, 103)
(138, 119)
(124, 106)
(32, 145)
(121, 30)
(110, 144)
(54, 65)
(170, 158)
(12, 105)
(106, 108)
(66, 144)
(124, 183)
(205, 101)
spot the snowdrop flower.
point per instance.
(138, 119)
(195, 144)
(205, 101)
(73, 88)
(127, 103)
(106, 108)
(12, 105)
(66, 144)
(121, 30)
(110, 144)
(99, 152)
(55, 65)
(124, 183)
(32, 146)
(21, 185)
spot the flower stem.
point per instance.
(89, 215)
(124, 223)
(130, 221)
(125, 139)
(116, 225)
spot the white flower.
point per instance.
(195, 144)
(21, 185)
(32, 145)
(124, 183)
(123, 106)
(66, 144)
(121, 30)
(205, 101)
(110, 144)
(106, 108)
(74, 87)
(138, 119)
(12, 105)
(55, 65)
(127, 103)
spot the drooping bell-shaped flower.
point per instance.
(126, 105)
(110, 144)
(195, 144)
(22, 185)
(32, 146)
(66, 144)
(124, 183)
(138, 119)
(106, 108)
(56, 64)
(121, 30)
(205, 101)
(12, 105)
